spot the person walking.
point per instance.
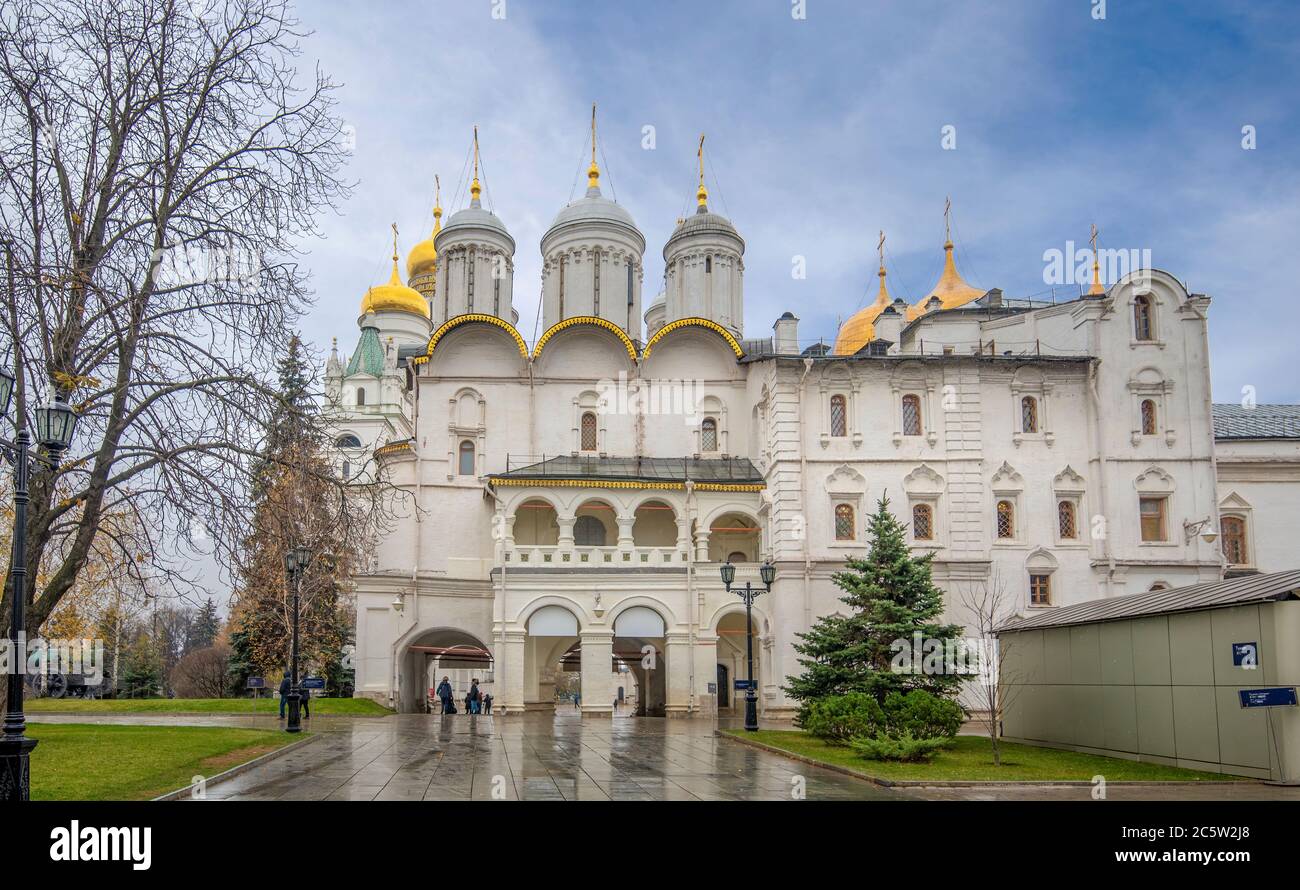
(487, 703)
(475, 697)
(285, 686)
(444, 695)
(304, 699)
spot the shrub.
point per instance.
(904, 747)
(922, 715)
(839, 718)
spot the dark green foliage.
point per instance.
(838, 718)
(905, 747)
(204, 628)
(891, 598)
(922, 715)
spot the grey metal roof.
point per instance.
(738, 470)
(1260, 422)
(1211, 595)
(593, 207)
(703, 222)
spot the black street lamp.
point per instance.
(295, 565)
(768, 574)
(55, 423)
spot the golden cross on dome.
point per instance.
(947, 221)
(1096, 265)
(437, 196)
(701, 194)
(593, 133)
(1093, 241)
(881, 248)
(394, 243)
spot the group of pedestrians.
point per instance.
(476, 701)
(304, 698)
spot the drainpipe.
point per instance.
(1099, 441)
(694, 609)
(803, 496)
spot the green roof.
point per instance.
(368, 357)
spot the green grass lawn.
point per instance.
(971, 759)
(355, 707)
(95, 762)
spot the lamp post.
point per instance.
(295, 565)
(768, 574)
(55, 422)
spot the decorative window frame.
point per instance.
(1008, 485)
(1155, 482)
(1040, 562)
(1069, 486)
(1234, 506)
(592, 401)
(846, 485)
(1030, 382)
(1149, 383)
(913, 381)
(1157, 307)
(458, 432)
(925, 486)
(837, 382)
(710, 407)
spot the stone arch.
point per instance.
(455, 650)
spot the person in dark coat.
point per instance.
(487, 703)
(475, 698)
(285, 686)
(444, 695)
(304, 696)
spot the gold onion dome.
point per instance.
(394, 296)
(424, 256)
(951, 289)
(860, 329)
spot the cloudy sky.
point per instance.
(823, 130)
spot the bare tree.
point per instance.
(159, 164)
(203, 673)
(989, 606)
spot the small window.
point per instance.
(467, 458)
(1159, 585)
(1152, 511)
(347, 470)
(347, 441)
(361, 396)
(1233, 529)
(911, 415)
(844, 524)
(1066, 521)
(1142, 328)
(1029, 415)
(709, 435)
(1040, 590)
(839, 416)
(708, 265)
(1148, 417)
(1006, 520)
(922, 522)
(588, 432)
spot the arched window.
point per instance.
(588, 531)
(1066, 521)
(922, 522)
(708, 265)
(1142, 327)
(839, 416)
(466, 458)
(588, 432)
(1006, 520)
(737, 557)
(1148, 417)
(347, 441)
(709, 435)
(845, 527)
(911, 415)
(347, 470)
(1233, 529)
(361, 395)
(1029, 415)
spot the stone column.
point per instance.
(512, 673)
(597, 658)
(677, 699)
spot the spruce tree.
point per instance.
(891, 598)
(204, 629)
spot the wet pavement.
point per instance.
(534, 757)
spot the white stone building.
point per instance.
(571, 500)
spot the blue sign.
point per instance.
(1273, 697)
(744, 684)
(312, 683)
(256, 682)
(1245, 655)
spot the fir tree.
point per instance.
(891, 598)
(204, 629)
